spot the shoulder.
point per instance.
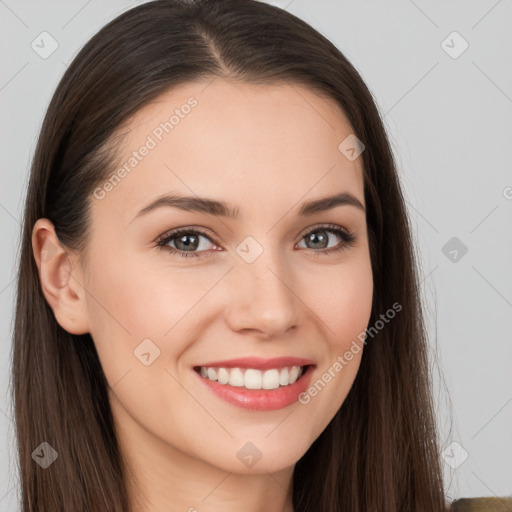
(481, 505)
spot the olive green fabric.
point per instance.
(481, 505)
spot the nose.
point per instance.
(262, 298)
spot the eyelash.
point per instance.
(348, 240)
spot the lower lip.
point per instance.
(260, 399)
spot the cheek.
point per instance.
(126, 306)
(345, 313)
(137, 302)
(129, 303)
(343, 300)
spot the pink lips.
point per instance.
(260, 399)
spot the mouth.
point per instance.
(257, 389)
(253, 378)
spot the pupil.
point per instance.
(314, 236)
(188, 244)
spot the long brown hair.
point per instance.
(380, 451)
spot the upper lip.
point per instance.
(259, 363)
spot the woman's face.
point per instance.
(260, 284)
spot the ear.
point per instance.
(61, 278)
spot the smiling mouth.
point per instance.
(252, 378)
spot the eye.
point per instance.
(319, 237)
(187, 242)
(186, 239)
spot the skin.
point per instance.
(266, 149)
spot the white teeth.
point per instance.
(251, 378)
(236, 378)
(283, 377)
(223, 376)
(294, 374)
(271, 379)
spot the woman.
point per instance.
(180, 341)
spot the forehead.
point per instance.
(249, 145)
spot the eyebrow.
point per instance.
(222, 209)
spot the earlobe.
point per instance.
(61, 284)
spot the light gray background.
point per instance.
(450, 123)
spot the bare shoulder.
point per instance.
(481, 505)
